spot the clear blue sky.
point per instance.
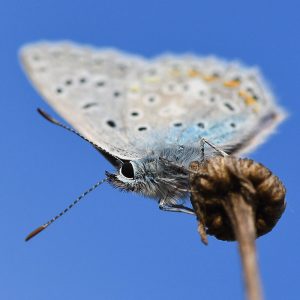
(117, 245)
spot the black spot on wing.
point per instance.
(68, 82)
(88, 105)
(177, 124)
(117, 94)
(229, 106)
(100, 83)
(111, 123)
(151, 99)
(142, 128)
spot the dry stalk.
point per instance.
(237, 199)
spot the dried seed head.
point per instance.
(215, 180)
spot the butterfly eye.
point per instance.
(127, 170)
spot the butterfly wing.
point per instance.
(128, 105)
(86, 87)
(181, 99)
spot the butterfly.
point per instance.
(152, 117)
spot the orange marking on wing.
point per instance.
(249, 100)
(232, 83)
(193, 73)
(210, 78)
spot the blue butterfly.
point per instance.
(152, 117)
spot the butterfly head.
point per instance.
(153, 177)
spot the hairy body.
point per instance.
(162, 175)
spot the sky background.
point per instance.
(117, 245)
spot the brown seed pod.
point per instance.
(219, 182)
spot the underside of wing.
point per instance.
(179, 99)
(86, 87)
(128, 105)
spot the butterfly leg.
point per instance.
(204, 141)
(202, 145)
(174, 208)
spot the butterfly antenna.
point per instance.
(44, 226)
(55, 122)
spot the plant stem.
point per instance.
(241, 216)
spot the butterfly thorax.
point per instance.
(163, 174)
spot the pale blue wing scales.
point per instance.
(181, 99)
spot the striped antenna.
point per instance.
(44, 226)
